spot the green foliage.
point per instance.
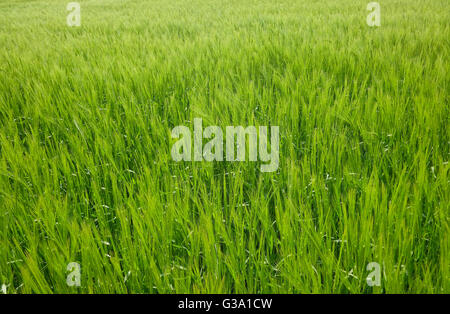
(85, 168)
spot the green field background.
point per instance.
(86, 173)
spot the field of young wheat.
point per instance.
(89, 188)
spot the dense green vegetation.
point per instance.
(86, 173)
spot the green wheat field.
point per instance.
(86, 173)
